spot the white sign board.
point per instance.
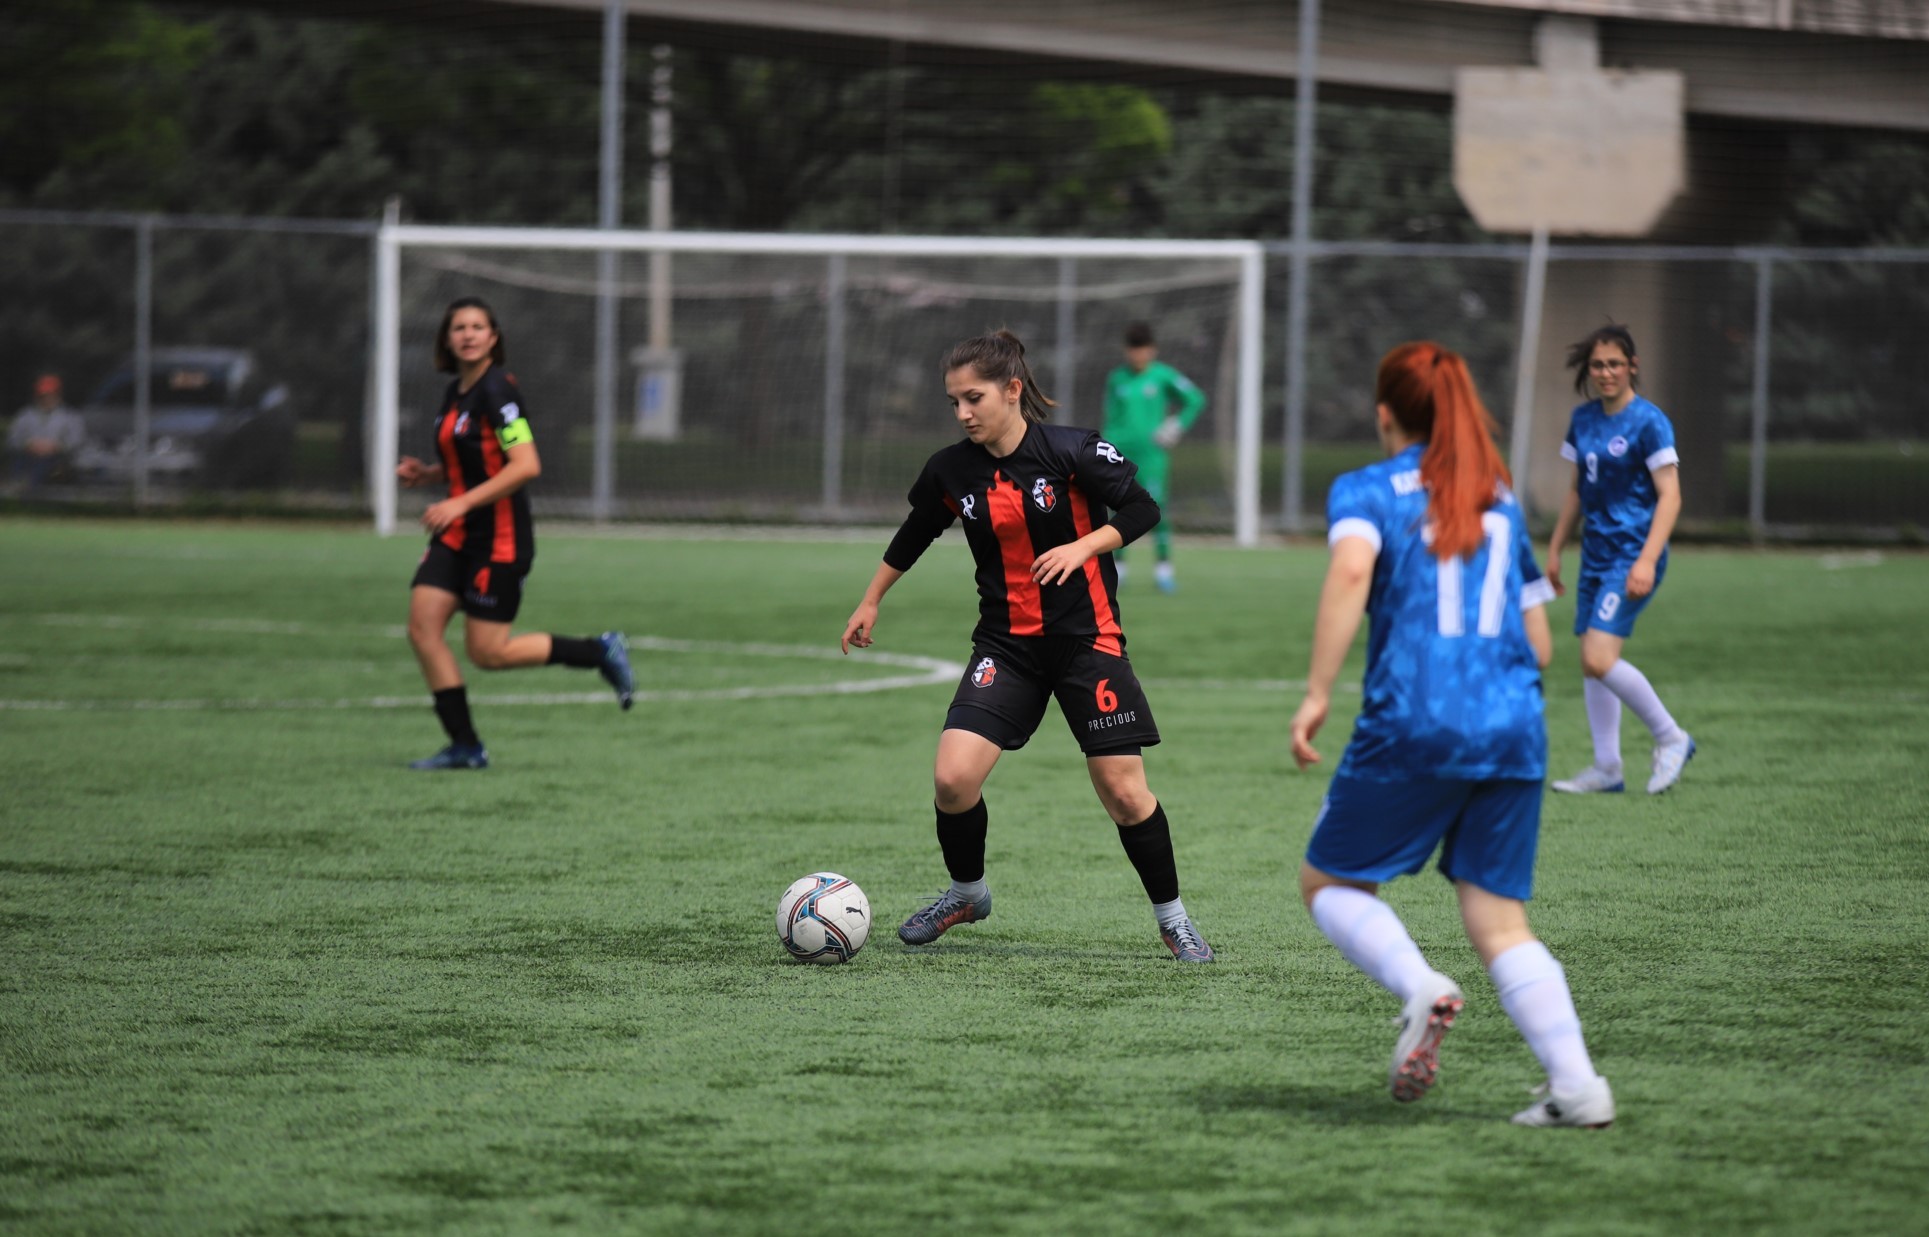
(1577, 151)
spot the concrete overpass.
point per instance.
(1834, 62)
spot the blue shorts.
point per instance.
(1375, 831)
(1601, 600)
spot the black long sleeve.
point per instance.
(913, 537)
(1139, 516)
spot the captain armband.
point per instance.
(514, 433)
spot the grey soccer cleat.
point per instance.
(1183, 939)
(946, 913)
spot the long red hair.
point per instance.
(1432, 398)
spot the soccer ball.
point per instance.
(823, 918)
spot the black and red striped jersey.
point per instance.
(473, 434)
(1053, 489)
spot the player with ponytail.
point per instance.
(1043, 507)
(1450, 749)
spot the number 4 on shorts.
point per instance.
(1108, 701)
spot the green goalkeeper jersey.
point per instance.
(1137, 403)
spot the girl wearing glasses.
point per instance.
(1627, 485)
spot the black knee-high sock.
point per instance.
(452, 710)
(585, 653)
(1148, 845)
(962, 837)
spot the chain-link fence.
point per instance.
(1781, 368)
(254, 334)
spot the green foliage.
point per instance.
(91, 83)
(261, 979)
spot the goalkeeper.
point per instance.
(1148, 405)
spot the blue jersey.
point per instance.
(1615, 458)
(1452, 686)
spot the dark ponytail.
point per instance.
(999, 357)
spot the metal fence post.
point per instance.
(1293, 498)
(608, 210)
(1066, 379)
(1758, 411)
(143, 353)
(384, 444)
(834, 383)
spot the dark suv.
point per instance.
(213, 421)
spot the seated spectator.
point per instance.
(44, 436)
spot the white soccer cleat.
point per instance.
(1669, 758)
(1593, 780)
(1423, 1024)
(1591, 1107)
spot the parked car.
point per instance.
(213, 421)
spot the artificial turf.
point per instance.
(260, 979)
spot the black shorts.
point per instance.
(1011, 678)
(490, 591)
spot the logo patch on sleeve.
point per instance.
(1109, 453)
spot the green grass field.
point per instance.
(260, 979)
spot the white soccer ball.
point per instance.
(823, 918)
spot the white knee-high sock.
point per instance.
(1533, 991)
(1604, 723)
(1372, 937)
(1638, 694)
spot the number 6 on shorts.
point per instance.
(1108, 702)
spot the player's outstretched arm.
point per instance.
(1342, 604)
(859, 627)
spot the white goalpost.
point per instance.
(801, 383)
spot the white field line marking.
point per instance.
(1864, 558)
(930, 671)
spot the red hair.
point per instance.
(1432, 398)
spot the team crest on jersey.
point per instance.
(461, 424)
(1617, 446)
(1043, 495)
(1109, 453)
(983, 673)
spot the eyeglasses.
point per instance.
(1606, 367)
